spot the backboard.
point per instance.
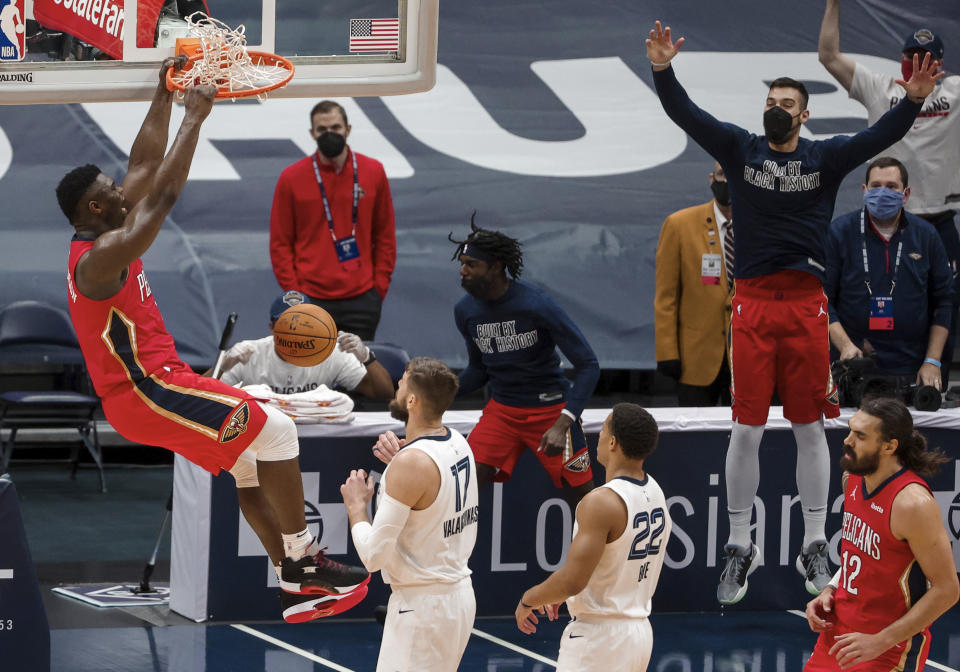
(69, 51)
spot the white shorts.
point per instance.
(427, 628)
(602, 645)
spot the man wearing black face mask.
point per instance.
(888, 281)
(332, 234)
(783, 188)
(692, 300)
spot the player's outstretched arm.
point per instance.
(600, 515)
(915, 517)
(116, 249)
(850, 152)
(716, 137)
(828, 47)
(151, 142)
(661, 48)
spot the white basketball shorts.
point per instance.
(427, 627)
(605, 644)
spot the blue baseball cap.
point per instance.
(284, 301)
(926, 40)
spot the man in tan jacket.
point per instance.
(692, 301)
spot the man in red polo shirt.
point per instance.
(332, 231)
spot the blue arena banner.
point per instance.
(525, 528)
(557, 138)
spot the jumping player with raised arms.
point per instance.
(783, 188)
(152, 397)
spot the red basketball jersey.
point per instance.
(880, 578)
(106, 329)
(148, 394)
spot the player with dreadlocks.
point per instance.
(512, 331)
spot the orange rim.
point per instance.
(223, 91)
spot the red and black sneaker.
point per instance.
(303, 608)
(319, 575)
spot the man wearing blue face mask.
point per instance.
(889, 283)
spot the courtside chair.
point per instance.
(392, 357)
(39, 351)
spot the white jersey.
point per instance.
(436, 542)
(931, 149)
(340, 370)
(625, 579)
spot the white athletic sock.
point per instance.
(813, 479)
(740, 527)
(743, 479)
(295, 545)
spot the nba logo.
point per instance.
(12, 40)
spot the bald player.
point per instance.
(148, 394)
(614, 562)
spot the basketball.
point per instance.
(304, 335)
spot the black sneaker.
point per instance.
(813, 566)
(740, 564)
(319, 575)
(303, 608)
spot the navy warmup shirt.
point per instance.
(512, 343)
(782, 202)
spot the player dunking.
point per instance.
(512, 331)
(148, 394)
(424, 530)
(897, 574)
(783, 188)
(614, 562)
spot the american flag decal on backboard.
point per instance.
(374, 35)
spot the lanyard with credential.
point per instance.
(326, 203)
(866, 264)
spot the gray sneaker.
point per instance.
(812, 564)
(741, 563)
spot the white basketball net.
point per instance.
(225, 63)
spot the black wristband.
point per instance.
(370, 357)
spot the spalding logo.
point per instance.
(580, 463)
(236, 424)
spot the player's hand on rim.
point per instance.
(176, 62)
(387, 446)
(819, 610)
(198, 101)
(660, 46)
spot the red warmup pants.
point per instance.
(504, 432)
(779, 341)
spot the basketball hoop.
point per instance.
(217, 55)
